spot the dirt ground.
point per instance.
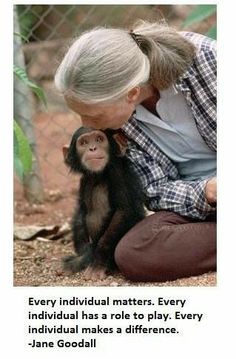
(37, 262)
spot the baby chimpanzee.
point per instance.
(110, 200)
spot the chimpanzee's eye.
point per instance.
(83, 142)
(100, 139)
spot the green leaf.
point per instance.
(212, 32)
(38, 92)
(21, 74)
(200, 13)
(17, 163)
(18, 168)
(22, 152)
(21, 36)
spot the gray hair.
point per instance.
(103, 64)
(168, 51)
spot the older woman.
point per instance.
(159, 87)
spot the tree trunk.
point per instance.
(33, 188)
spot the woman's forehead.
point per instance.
(84, 109)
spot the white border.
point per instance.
(216, 338)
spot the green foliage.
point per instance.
(21, 74)
(22, 152)
(199, 14)
(21, 36)
(212, 32)
(32, 18)
(27, 18)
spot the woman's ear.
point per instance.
(133, 94)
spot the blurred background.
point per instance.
(45, 192)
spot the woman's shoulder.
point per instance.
(202, 42)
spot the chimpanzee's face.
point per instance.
(93, 150)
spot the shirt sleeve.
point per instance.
(163, 187)
(201, 80)
(165, 192)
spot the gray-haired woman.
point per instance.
(159, 87)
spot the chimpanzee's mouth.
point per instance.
(95, 158)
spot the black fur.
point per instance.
(117, 185)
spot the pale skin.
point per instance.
(211, 191)
(116, 114)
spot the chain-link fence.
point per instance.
(49, 29)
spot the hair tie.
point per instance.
(134, 37)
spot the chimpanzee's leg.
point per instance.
(166, 246)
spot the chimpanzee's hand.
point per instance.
(211, 191)
(95, 273)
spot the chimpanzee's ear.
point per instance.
(121, 140)
(65, 150)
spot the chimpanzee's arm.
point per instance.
(126, 200)
(79, 229)
(104, 252)
(83, 248)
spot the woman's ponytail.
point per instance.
(169, 53)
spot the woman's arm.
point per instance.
(164, 192)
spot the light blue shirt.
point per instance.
(176, 134)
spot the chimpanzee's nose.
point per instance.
(92, 148)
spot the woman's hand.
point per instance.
(211, 191)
